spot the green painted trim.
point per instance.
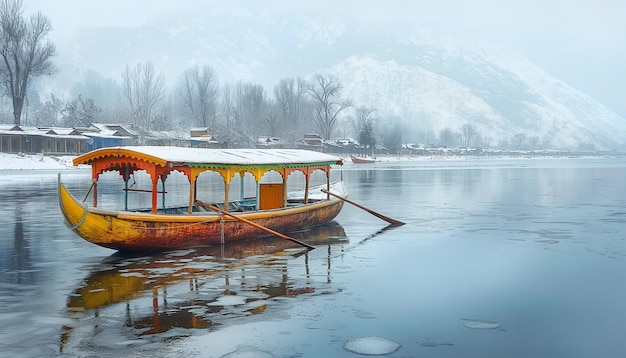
(257, 166)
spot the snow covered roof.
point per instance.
(48, 132)
(201, 157)
(19, 130)
(122, 130)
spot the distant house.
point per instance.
(342, 146)
(23, 139)
(103, 135)
(347, 142)
(63, 141)
(311, 141)
(202, 138)
(269, 142)
(13, 139)
(53, 140)
(168, 138)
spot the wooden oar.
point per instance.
(391, 221)
(215, 208)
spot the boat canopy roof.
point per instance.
(173, 157)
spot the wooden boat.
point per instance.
(361, 160)
(272, 210)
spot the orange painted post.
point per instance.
(154, 193)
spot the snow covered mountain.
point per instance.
(499, 102)
(429, 81)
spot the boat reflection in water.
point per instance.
(198, 288)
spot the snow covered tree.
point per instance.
(48, 113)
(80, 112)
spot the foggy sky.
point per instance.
(582, 42)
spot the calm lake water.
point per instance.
(498, 258)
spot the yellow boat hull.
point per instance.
(137, 231)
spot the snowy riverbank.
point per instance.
(34, 162)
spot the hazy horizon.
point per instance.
(579, 42)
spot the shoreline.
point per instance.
(10, 163)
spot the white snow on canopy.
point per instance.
(373, 346)
(233, 156)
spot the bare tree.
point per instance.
(142, 89)
(289, 94)
(327, 106)
(198, 91)
(361, 119)
(251, 103)
(467, 131)
(274, 119)
(228, 114)
(25, 51)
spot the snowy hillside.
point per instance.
(499, 109)
(429, 81)
(525, 96)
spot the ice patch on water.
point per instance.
(228, 300)
(474, 324)
(373, 346)
(248, 352)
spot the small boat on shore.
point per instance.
(361, 160)
(272, 210)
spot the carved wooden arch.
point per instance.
(308, 170)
